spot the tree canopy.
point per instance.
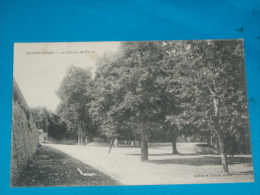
(152, 88)
(75, 93)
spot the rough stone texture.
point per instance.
(25, 136)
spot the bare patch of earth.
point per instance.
(51, 167)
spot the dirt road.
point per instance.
(123, 164)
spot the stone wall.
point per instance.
(25, 136)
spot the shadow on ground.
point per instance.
(243, 173)
(201, 161)
(50, 167)
(168, 154)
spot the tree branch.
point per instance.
(211, 91)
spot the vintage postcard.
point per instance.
(130, 113)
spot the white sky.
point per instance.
(39, 75)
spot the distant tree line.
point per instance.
(51, 124)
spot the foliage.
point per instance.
(49, 123)
(40, 117)
(160, 89)
(75, 94)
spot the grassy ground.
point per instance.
(50, 167)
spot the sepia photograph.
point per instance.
(130, 113)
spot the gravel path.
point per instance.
(124, 165)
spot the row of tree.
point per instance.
(55, 129)
(187, 87)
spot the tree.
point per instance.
(49, 122)
(145, 83)
(132, 87)
(175, 85)
(173, 54)
(212, 76)
(143, 97)
(75, 94)
(105, 97)
(40, 117)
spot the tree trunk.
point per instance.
(47, 127)
(79, 143)
(144, 146)
(222, 151)
(80, 134)
(208, 141)
(81, 137)
(174, 139)
(111, 144)
(220, 136)
(89, 138)
(84, 140)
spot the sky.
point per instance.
(40, 67)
